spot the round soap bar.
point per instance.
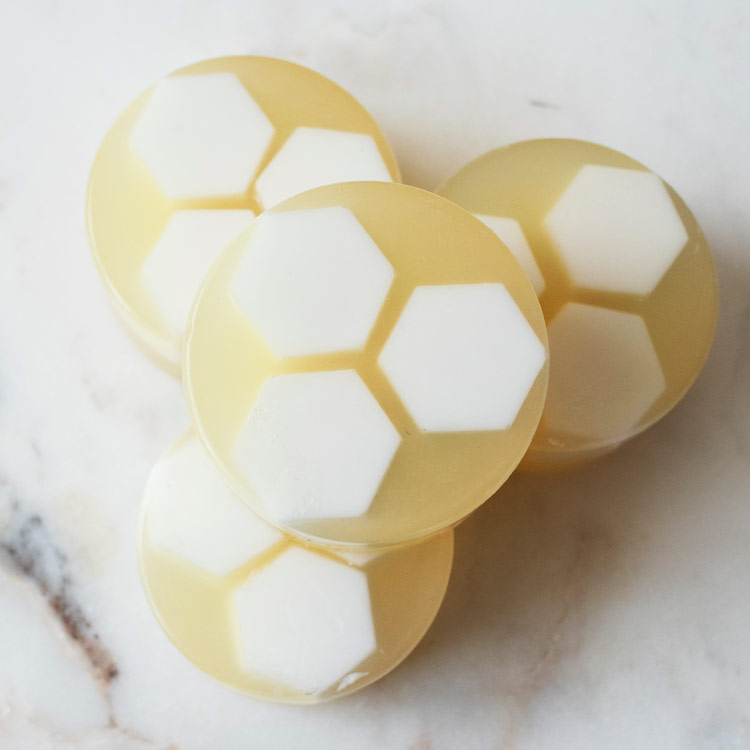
(624, 277)
(194, 158)
(367, 363)
(268, 615)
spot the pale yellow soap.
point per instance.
(194, 158)
(366, 363)
(268, 615)
(624, 276)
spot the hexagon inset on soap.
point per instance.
(182, 255)
(616, 229)
(462, 357)
(315, 445)
(192, 513)
(604, 372)
(312, 281)
(312, 157)
(510, 232)
(305, 621)
(201, 135)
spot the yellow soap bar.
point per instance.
(194, 158)
(624, 276)
(264, 613)
(366, 363)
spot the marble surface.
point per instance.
(605, 608)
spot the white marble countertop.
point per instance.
(608, 608)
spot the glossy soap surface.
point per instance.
(625, 280)
(366, 363)
(268, 615)
(190, 162)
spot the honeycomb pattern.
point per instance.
(316, 445)
(462, 357)
(217, 136)
(604, 372)
(264, 613)
(194, 515)
(202, 136)
(312, 157)
(312, 281)
(182, 255)
(616, 229)
(348, 402)
(622, 257)
(305, 620)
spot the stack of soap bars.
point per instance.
(365, 362)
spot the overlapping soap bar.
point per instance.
(194, 158)
(265, 614)
(624, 276)
(366, 363)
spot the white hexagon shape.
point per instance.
(604, 372)
(510, 232)
(312, 281)
(462, 357)
(191, 512)
(316, 445)
(305, 621)
(312, 157)
(181, 257)
(201, 135)
(616, 229)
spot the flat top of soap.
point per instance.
(265, 614)
(227, 137)
(367, 363)
(624, 276)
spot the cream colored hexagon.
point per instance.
(616, 229)
(312, 157)
(192, 513)
(604, 372)
(305, 621)
(462, 357)
(312, 281)
(201, 135)
(315, 445)
(182, 255)
(510, 232)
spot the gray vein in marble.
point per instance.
(28, 549)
